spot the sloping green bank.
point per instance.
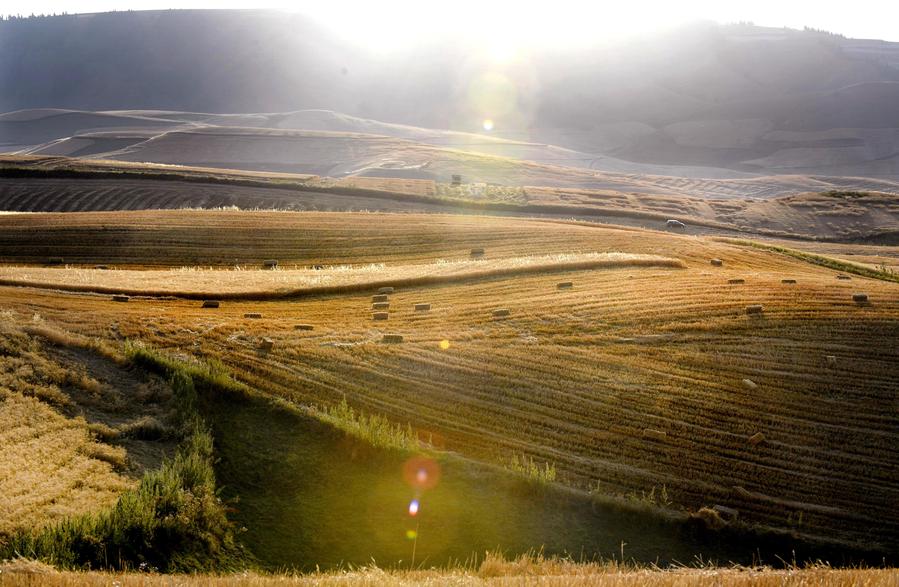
(311, 495)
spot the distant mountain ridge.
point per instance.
(738, 98)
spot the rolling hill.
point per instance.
(699, 101)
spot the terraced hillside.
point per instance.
(631, 380)
(786, 207)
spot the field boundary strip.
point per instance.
(309, 291)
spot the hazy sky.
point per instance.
(510, 24)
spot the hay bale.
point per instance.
(501, 313)
(742, 492)
(717, 262)
(380, 306)
(318, 267)
(860, 298)
(120, 298)
(754, 309)
(843, 277)
(255, 315)
(270, 263)
(788, 281)
(831, 360)
(379, 298)
(565, 285)
(210, 303)
(756, 439)
(379, 315)
(303, 327)
(266, 344)
(385, 290)
(422, 307)
(477, 252)
(726, 513)
(392, 338)
(651, 434)
(101, 267)
(54, 261)
(736, 281)
(750, 384)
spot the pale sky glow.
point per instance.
(507, 26)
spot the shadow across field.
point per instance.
(311, 496)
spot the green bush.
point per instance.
(173, 521)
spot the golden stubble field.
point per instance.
(632, 380)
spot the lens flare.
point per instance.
(413, 507)
(444, 344)
(487, 124)
(421, 472)
(411, 534)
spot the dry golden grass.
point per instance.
(255, 282)
(495, 570)
(573, 376)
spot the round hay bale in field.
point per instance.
(716, 262)
(303, 327)
(501, 312)
(831, 360)
(210, 303)
(742, 492)
(385, 290)
(736, 281)
(565, 285)
(392, 338)
(754, 309)
(266, 344)
(422, 307)
(379, 315)
(120, 298)
(652, 434)
(379, 298)
(254, 315)
(380, 306)
(270, 263)
(843, 277)
(788, 281)
(756, 439)
(750, 384)
(860, 298)
(477, 252)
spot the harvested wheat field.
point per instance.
(570, 379)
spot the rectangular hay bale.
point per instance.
(754, 309)
(252, 315)
(736, 281)
(716, 262)
(270, 263)
(565, 285)
(210, 303)
(379, 315)
(120, 298)
(652, 434)
(385, 290)
(379, 298)
(756, 439)
(392, 338)
(422, 307)
(860, 298)
(303, 327)
(501, 313)
(380, 306)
